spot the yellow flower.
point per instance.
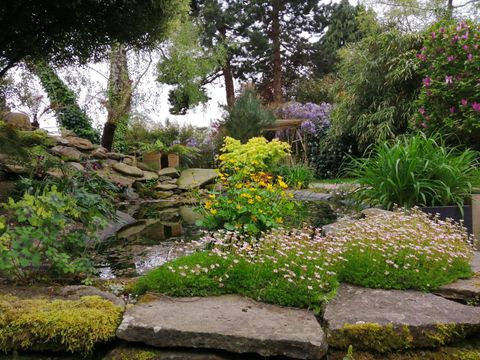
(282, 184)
(208, 205)
(211, 196)
(213, 211)
(238, 186)
(251, 201)
(239, 207)
(279, 220)
(229, 201)
(258, 198)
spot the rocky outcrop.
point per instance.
(391, 320)
(128, 170)
(229, 323)
(67, 153)
(196, 178)
(17, 120)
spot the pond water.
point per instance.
(150, 241)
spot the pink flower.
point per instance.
(452, 110)
(476, 106)
(465, 36)
(423, 125)
(464, 102)
(449, 79)
(451, 58)
(421, 56)
(433, 35)
(422, 110)
(470, 57)
(427, 82)
(442, 30)
(455, 39)
(429, 93)
(465, 47)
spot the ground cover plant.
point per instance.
(417, 170)
(297, 176)
(404, 251)
(292, 268)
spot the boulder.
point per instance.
(121, 219)
(144, 167)
(196, 178)
(390, 320)
(17, 120)
(76, 166)
(163, 194)
(188, 215)
(169, 171)
(332, 229)
(128, 170)
(79, 143)
(115, 178)
(15, 169)
(67, 153)
(131, 229)
(148, 175)
(99, 153)
(308, 195)
(230, 323)
(115, 156)
(166, 187)
(75, 292)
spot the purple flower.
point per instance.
(470, 57)
(442, 30)
(191, 143)
(465, 47)
(449, 79)
(427, 82)
(476, 106)
(421, 56)
(433, 35)
(308, 126)
(422, 110)
(465, 36)
(455, 39)
(464, 102)
(451, 58)
(452, 110)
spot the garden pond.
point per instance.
(161, 226)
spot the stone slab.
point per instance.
(388, 320)
(230, 323)
(308, 195)
(196, 178)
(128, 170)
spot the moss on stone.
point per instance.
(371, 336)
(58, 325)
(444, 334)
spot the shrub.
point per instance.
(74, 326)
(46, 234)
(296, 176)
(291, 268)
(247, 117)
(314, 90)
(450, 98)
(403, 251)
(415, 171)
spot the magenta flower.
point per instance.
(465, 47)
(422, 110)
(423, 125)
(433, 35)
(470, 57)
(455, 39)
(476, 106)
(451, 58)
(465, 36)
(464, 102)
(427, 82)
(421, 57)
(449, 79)
(452, 110)
(442, 30)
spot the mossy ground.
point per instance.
(59, 325)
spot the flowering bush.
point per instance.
(404, 250)
(450, 64)
(248, 206)
(291, 268)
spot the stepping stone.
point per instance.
(230, 323)
(389, 320)
(307, 195)
(196, 178)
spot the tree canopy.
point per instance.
(69, 31)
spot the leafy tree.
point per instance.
(247, 117)
(68, 31)
(378, 83)
(63, 101)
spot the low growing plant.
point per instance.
(404, 251)
(291, 268)
(415, 171)
(296, 176)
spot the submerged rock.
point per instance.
(390, 320)
(230, 323)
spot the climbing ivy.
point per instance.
(63, 100)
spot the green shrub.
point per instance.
(291, 268)
(59, 325)
(47, 234)
(403, 251)
(449, 101)
(296, 176)
(415, 171)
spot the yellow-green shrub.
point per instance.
(63, 325)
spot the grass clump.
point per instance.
(58, 325)
(404, 251)
(291, 268)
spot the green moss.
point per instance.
(444, 334)
(371, 336)
(59, 325)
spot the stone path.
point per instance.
(230, 323)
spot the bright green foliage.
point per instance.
(248, 205)
(291, 268)
(63, 100)
(258, 154)
(47, 234)
(247, 117)
(404, 251)
(450, 98)
(73, 326)
(378, 82)
(187, 66)
(296, 176)
(415, 171)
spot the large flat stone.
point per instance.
(128, 170)
(195, 178)
(388, 320)
(229, 323)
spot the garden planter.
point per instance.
(153, 159)
(173, 160)
(454, 213)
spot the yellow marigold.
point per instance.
(251, 201)
(213, 211)
(212, 196)
(279, 220)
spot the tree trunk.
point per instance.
(119, 95)
(449, 9)
(229, 85)
(277, 57)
